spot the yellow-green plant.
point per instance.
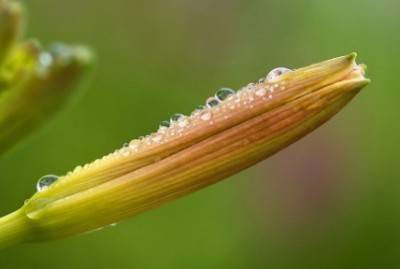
(233, 131)
(34, 83)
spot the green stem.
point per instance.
(14, 229)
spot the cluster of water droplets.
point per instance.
(224, 100)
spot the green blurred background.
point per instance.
(331, 200)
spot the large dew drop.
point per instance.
(45, 182)
(276, 73)
(224, 93)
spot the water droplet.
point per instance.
(164, 124)
(58, 48)
(157, 138)
(45, 182)
(276, 73)
(206, 116)
(224, 93)
(77, 169)
(134, 144)
(125, 151)
(45, 59)
(177, 117)
(212, 102)
(251, 85)
(61, 53)
(45, 62)
(183, 122)
(261, 92)
(198, 109)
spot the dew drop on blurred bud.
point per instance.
(45, 182)
(60, 52)
(276, 73)
(45, 61)
(224, 93)
(212, 102)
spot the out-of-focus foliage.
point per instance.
(329, 201)
(34, 83)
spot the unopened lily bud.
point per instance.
(234, 130)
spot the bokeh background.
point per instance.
(332, 200)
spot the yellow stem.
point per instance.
(14, 229)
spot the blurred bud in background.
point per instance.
(35, 83)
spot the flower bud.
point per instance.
(231, 133)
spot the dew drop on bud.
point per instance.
(261, 92)
(206, 116)
(251, 85)
(164, 124)
(177, 117)
(212, 102)
(198, 110)
(276, 73)
(200, 107)
(134, 144)
(157, 138)
(183, 122)
(224, 93)
(45, 182)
